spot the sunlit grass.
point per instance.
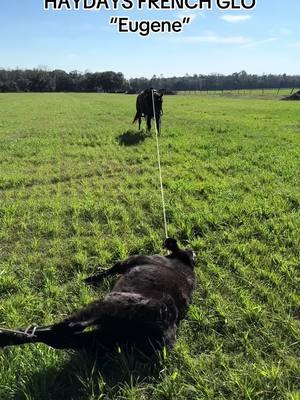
(76, 194)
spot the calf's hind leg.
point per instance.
(51, 337)
(118, 318)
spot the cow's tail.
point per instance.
(135, 118)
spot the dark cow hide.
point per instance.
(143, 309)
(144, 107)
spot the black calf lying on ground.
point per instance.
(143, 309)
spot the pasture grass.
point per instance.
(79, 189)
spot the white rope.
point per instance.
(159, 168)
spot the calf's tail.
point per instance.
(135, 118)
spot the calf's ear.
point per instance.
(171, 244)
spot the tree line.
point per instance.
(42, 80)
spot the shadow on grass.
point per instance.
(131, 138)
(90, 376)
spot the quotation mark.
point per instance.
(186, 20)
(113, 20)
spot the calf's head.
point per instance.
(187, 256)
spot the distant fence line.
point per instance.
(261, 91)
(274, 91)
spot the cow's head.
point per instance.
(186, 256)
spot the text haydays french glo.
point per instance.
(148, 4)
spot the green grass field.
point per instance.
(79, 189)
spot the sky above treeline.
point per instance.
(263, 40)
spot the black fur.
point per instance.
(143, 309)
(144, 107)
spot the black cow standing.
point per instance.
(144, 107)
(143, 309)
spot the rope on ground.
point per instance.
(159, 167)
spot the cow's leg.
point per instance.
(83, 318)
(115, 308)
(148, 123)
(13, 338)
(141, 319)
(66, 334)
(157, 119)
(60, 339)
(56, 339)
